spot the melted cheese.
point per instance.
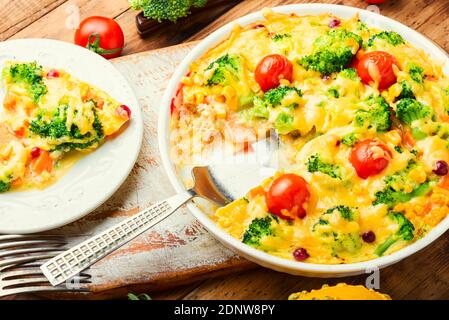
(204, 114)
(341, 291)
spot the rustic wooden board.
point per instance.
(178, 250)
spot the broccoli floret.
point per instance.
(228, 70)
(404, 233)
(377, 117)
(406, 92)
(280, 36)
(171, 10)
(259, 109)
(332, 51)
(274, 96)
(349, 140)
(4, 186)
(398, 149)
(284, 123)
(350, 73)
(346, 212)
(394, 187)
(224, 67)
(54, 127)
(341, 240)
(409, 110)
(315, 164)
(361, 26)
(272, 99)
(31, 75)
(321, 222)
(391, 196)
(416, 72)
(391, 37)
(258, 229)
(333, 92)
(350, 242)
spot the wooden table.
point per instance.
(422, 276)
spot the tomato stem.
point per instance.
(93, 44)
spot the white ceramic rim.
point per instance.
(260, 257)
(132, 153)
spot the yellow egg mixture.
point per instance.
(319, 117)
(49, 120)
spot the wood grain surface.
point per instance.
(422, 276)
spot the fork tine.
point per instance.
(15, 261)
(20, 237)
(24, 265)
(17, 282)
(18, 252)
(31, 267)
(21, 257)
(36, 289)
(55, 242)
(32, 272)
(43, 280)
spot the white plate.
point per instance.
(262, 258)
(93, 179)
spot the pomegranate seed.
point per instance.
(369, 236)
(35, 152)
(334, 23)
(123, 109)
(441, 168)
(300, 254)
(53, 74)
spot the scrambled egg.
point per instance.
(320, 114)
(48, 119)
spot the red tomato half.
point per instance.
(377, 66)
(271, 69)
(288, 196)
(101, 35)
(369, 157)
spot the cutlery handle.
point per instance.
(73, 261)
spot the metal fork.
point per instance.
(21, 257)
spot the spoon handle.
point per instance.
(71, 262)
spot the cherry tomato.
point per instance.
(53, 74)
(35, 152)
(288, 196)
(369, 157)
(376, 1)
(124, 111)
(101, 35)
(377, 66)
(271, 69)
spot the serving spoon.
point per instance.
(221, 184)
